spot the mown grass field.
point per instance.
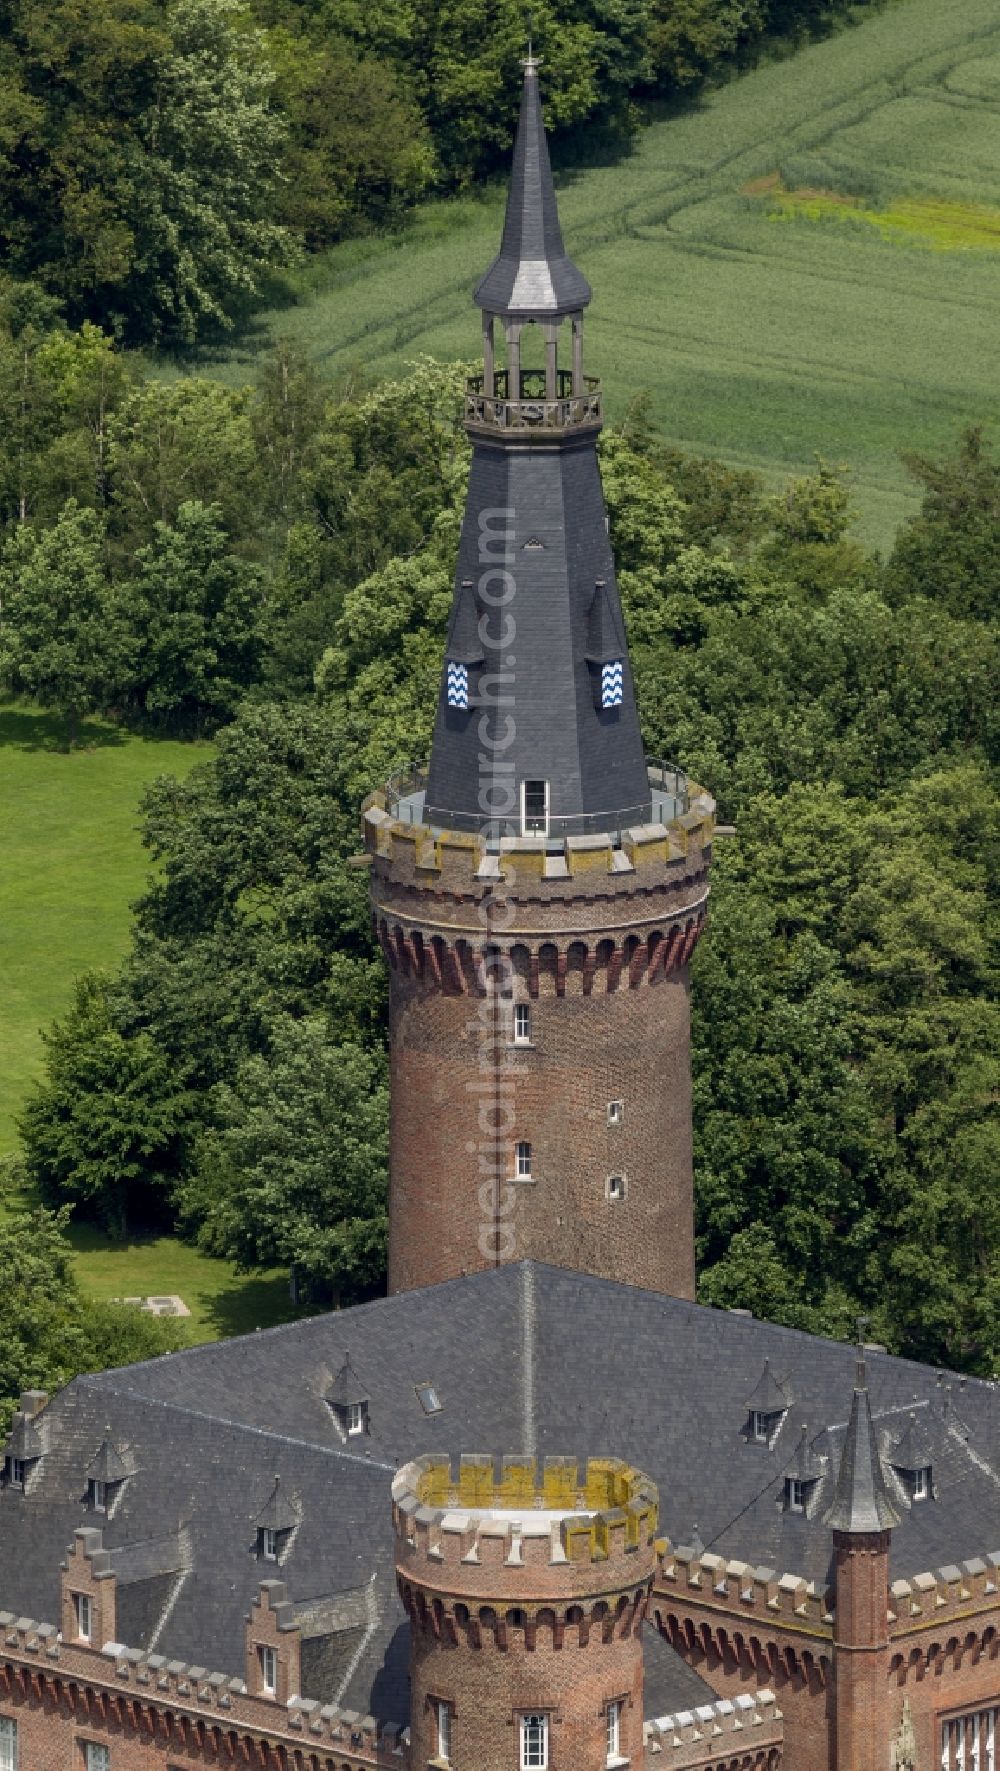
(71, 863)
(762, 337)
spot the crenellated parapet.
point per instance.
(948, 1614)
(784, 1600)
(482, 1551)
(746, 1730)
(593, 916)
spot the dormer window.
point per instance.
(795, 1495)
(457, 686)
(275, 1525)
(922, 1483)
(83, 1612)
(15, 1472)
(348, 1402)
(766, 1408)
(106, 1473)
(912, 1457)
(267, 1544)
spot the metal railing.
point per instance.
(669, 798)
(533, 408)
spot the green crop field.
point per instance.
(72, 863)
(765, 332)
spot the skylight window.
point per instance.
(428, 1398)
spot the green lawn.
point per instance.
(71, 865)
(763, 339)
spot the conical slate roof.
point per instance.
(24, 1441)
(806, 1465)
(532, 274)
(913, 1449)
(768, 1397)
(861, 1502)
(106, 1465)
(346, 1388)
(277, 1513)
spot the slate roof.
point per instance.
(277, 1513)
(532, 273)
(914, 1449)
(346, 1388)
(524, 1358)
(767, 1396)
(107, 1466)
(862, 1501)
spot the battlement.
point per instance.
(954, 1592)
(643, 854)
(749, 1724)
(780, 1600)
(512, 1533)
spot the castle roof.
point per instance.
(106, 1465)
(524, 1358)
(532, 273)
(767, 1395)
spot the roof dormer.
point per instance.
(912, 1457)
(25, 1445)
(766, 1406)
(802, 1475)
(106, 1475)
(348, 1401)
(275, 1524)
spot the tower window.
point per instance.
(614, 1714)
(8, 1744)
(268, 1662)
(795, 1495)
(535, 808)
(444, 1732)
(616, 1188)
(616, 1112)
(613, 683)
(84, 1616)
(534, 1743)
(523, 1162)
(522, 1024)
(922, 1483)
(457, 687)
(96, 1756)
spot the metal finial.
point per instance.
(861, 1373)
(530, 63)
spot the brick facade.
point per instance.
(595, 943)
(521, 1603)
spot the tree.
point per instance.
(197, 615)
(104, 1128)
(950, 552)
(297, 1173)
(170, 444)
(62, 638)
(48, 1331)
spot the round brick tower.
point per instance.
(526, 1600)
(539, 889)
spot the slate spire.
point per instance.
(532, 273)
(862, 1502)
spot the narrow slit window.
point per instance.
(458, 685)
(524, 1162)
(535, 808)
(268, 1670)
(616, 1112)
(84, 1616)
(444, 1732)
(614, 1732)
(616, 1188)
(613, 683)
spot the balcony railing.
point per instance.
(534, 410)
(669, 798)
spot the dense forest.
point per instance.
(275, 565)
(160, 158)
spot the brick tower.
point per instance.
(862, 1517)
(526, 1603)
(539, 890)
